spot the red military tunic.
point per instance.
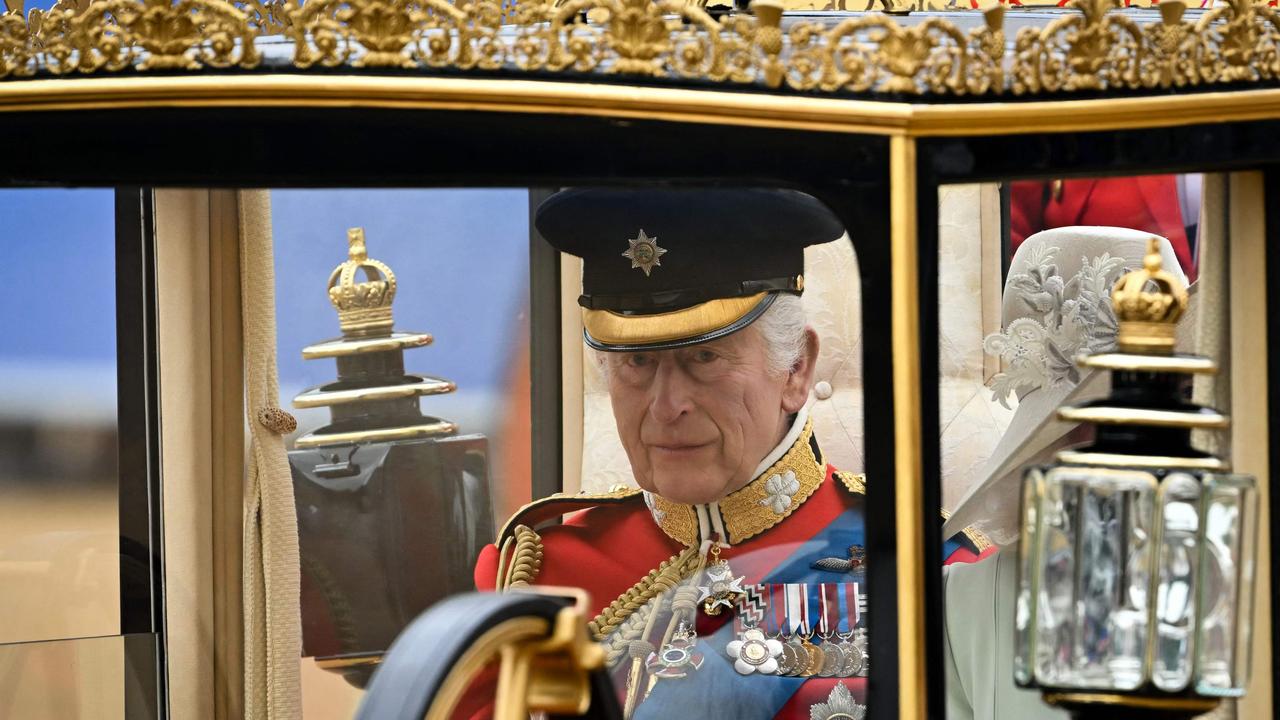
(798, 526)
(1148, 203)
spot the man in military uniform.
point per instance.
(731, 582)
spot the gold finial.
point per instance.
(364, 308)
(1148, 304)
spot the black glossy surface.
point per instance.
(140, 510)
(383, 148)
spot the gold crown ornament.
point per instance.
(1148, 304)
(364, 308)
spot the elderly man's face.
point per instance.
(696, 421)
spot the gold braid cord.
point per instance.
(659, 580)
(526, 560)
(1097, 48)
(618, 645)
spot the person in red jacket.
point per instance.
(1165, 205)
(731, 582)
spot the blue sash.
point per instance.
(716, 690)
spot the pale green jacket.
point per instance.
(979, 643)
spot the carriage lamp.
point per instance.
(393, 505)
(1135, 584)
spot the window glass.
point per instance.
(1053, 587)
(391, 523)
(59, 524)
(733, 409)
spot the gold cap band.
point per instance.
(611, 330)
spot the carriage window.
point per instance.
(1068, 395)
(59, 487)
(711, 388)
(412, 406)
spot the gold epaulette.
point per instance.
(552, 506)
(979, 540)
(525, 548)
(853, 482)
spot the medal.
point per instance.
(722, 589)
(833, 658)
(833, 661)
(856, 660)
(677, 658)
(794, 657)
(754, 652)
(816, 658)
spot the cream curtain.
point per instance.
(273, 633)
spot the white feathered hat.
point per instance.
(1057, 305)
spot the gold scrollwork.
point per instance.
(652, 38)
(112, 35)
(1096, 48)
(1238, 42)
(875, 53)
(1091, 51)
(396, 33)
(1100, 49)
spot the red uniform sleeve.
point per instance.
(486, 572)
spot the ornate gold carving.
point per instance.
(1096, 49)
(1100, 49)
(1089, 51)
(111, 35)
(1237, 42)
(364, 308)
(396, 33)
(874, 53)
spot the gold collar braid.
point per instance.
(764, 502)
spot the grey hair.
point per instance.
(782, 326)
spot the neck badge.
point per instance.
(722, 589)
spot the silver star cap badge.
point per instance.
(644, 253)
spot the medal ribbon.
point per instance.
(855, 604)
(831, 607)
(794, 619)
(842, 604)
(752, 607)
(812, 607)
(775, 613)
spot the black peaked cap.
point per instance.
(710, 243)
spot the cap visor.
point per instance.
(616, 332)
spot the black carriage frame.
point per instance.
(280, 147)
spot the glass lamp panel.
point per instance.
(1024, 607)
(1095, 556)
(1176, 564)
(1226, 584)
